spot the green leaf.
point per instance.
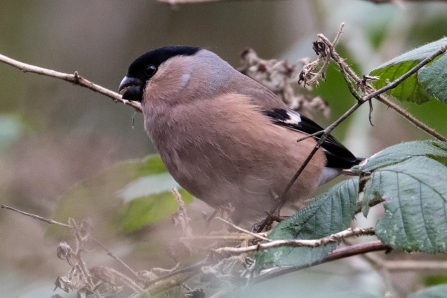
(410, 89)
(415, 196)
(434, 78)
(329, 213)
(434, 149)
(434, 280)
(126, 197)
(431, 292)
(150, 209)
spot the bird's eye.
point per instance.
(150, 70)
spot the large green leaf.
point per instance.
(431, 292)
(415, 196)
(400, 152)
(125, 197)
(411, 89)
(151, 208)
(434, 79)
(329, 213)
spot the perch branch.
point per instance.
(334, 238)
(74, 78)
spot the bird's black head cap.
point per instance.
(145, 66)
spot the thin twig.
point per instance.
(282, 198)
(116, 258)
(334, 238)
(172, 279)
(228, 237)
(128, 281)
(72, 78)
(79, 250)
(411, 118)
(243, 230)
(50, 221)
(315, 134)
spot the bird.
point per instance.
(224, 137)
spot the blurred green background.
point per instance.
(54, 134)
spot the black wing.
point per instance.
(337, 155)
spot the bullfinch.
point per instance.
(224, 137)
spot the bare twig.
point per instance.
(133, 285)
(334, 238)
(243, 230)
(315, 134)
(72, 78)
(50, 221)
(411, 118)
(116, 258)
(227, 237)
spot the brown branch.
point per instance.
(132, 284)
(411, 118)
(337, 254)
(334, 238)
(176, 278)
(72, 78)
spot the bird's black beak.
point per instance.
(131, 89)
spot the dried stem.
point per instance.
(128, 281)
